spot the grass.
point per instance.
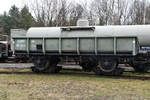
(77, 86)
(137, 74)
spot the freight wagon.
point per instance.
(3, 47)
(96, 48)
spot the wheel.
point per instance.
(107, 66)
(58, 69)
(35, 70)
(87, 63)
(141, 68)
(41, 64)
(53, 69)
(45, 64)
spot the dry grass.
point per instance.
(71, 87)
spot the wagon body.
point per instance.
(96, 48)
(77, 45)
(75, 41)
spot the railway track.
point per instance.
(102, 76)
(29, 65)
(15, 65)
(74, 70)
(81, 74)
(66, 67)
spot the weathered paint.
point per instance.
(142, 32)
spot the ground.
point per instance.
(72, 85)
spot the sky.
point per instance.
(5, 5)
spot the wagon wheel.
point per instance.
(87, 63)
(53, 68)
(40, 64)
(107, 66)
(45, 65)
(58, 69)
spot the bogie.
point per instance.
(45, 64)
(107, 66)
(87, 63)
(140, 63)
(101, 66)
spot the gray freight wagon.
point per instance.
(95, 48)
(119, 46)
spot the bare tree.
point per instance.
(63, 10)
(121, 12)
(44, 11)
(104, 12)
(75, 13)
(137, 11)
(147, 17)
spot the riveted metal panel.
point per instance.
(69, 44)
(87, 44)
(34, 42)
(124, 44)
(105, 44)
(20, 44)
(52, 44)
